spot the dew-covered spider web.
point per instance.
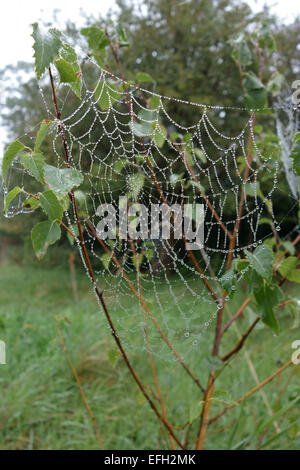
(129, 142)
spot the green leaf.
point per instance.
(268, 297)
(149, 254)
(106, 94)
(34, 163)
(113, 357)
(256, 96)
(11, 195)
(244, 54)
(160, 135)
(148, 115)
(122, 36)
(68, 53)
(199, 154)
(32, 203)
(262, 261)
(258, 129)
(275, 84)
(254, 280)
(12, 151)
(143, 129)
(288, 268)
(62, 180)
(137, 261)
(265, 220)
(42, 132)
(51, 205)
(80, 197)
(66, 71)
(136, 182)
(97, 39)
(97, 42)
(296, 136)
(144, 77)
(64, 201)
(154, 101)
(287, 245)
(68, 75)
(106, 260)
(229, 280)
(119, 165)
(175, 177)
(253, 189)
(46, 48)
(295, 156)
(44, 234)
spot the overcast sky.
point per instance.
(17, 16)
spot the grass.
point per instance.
(41, 407)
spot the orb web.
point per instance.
(128, 143)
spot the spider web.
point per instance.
(133, 147)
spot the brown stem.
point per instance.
(204, 422)
(236, 315)
(67, 229)
(242, 201)
(240, 344)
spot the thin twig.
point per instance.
(252, 391)
(236, 315)
(240, 344)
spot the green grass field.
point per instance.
(41, 406)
